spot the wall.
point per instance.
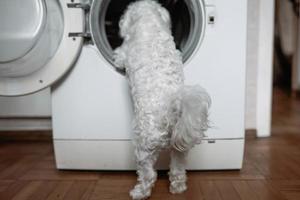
(265, 67)
(252, 49)
(31, 112)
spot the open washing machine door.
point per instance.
(35, 44)
(188, 25)
(39, 38)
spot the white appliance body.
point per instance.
(92, 110)
(91, 105)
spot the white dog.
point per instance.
(167, 113)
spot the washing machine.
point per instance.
(68, 45)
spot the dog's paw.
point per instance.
(177, 187)
(119, 58)
(140, 193)
(177, 183)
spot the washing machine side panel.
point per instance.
(118, 155)
(220, 65)
(92, 102)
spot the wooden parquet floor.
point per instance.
(271, 169)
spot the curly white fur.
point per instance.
(167, 113)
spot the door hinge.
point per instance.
(84, 6)
(84, 35)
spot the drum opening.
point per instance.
(187, 24)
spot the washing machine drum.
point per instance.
(187, 16)
(39, 43)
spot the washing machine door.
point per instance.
(188, 25)
(35, 44)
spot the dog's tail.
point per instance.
(189, 129)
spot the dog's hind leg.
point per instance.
(146, 153)
(177, 174)
(146, 176)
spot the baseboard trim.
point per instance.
(25, 124)
(27, 136)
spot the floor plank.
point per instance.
(265, 192)
(209, 190)
(60, 190)
(244, 190)
(79, 189)
(106, 189)
(27, 190)
(19, 167)
(4, 184)
(227, 190)
(292, 195)
(193, 192)
(285, 185)
(13, 189)
(54, 174)
(89, 191)
(44, 190)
